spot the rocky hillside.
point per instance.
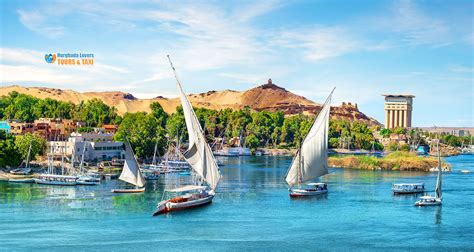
(268, 97)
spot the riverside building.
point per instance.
(398, 110)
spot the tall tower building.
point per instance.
(398, 109)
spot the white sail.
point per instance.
(131, 172)
(311, 160)
(199, 154)
(438, 180)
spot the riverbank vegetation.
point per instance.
(395, 161)
(257, 129)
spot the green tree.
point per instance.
(95, 113)
(333, 142)
(143, 131)
(399, 130)
(252, 142)
(9, 154)
(385, 133)
(23, 144)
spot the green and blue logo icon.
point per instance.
(50, 58)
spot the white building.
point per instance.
(96, 147)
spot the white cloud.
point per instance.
(319, 43)
(37, 22)
(415, 27)
(21, 66)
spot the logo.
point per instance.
(50, 58)
(70, 59)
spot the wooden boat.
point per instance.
(59, 180)
(22, 180)
(436, 199)
(201, 159)
(408, 188)
(191, 199)
(131, 172)
(311, 160)
(311, 189)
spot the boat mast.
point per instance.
(82, 158)
(62, 158)
(28, 155)
(438, 180)
(153, 162)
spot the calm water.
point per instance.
(252, 211)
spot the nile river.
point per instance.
(251, 211)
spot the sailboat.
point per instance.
(311, 158)
(83, 178)
(23, 171)
(436, 200)
(131, 172)
(199, 156)
(50, 178)
(26, 169)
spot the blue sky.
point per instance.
(364, 48)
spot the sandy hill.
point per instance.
(268, 97)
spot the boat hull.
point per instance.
(24, 180)
(424, 203)
(407, 192)
(168, 206)
(294, 193)
(135, 190)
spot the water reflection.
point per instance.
(438, 215)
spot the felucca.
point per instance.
(199, 156)
(436, 200)
(26, 169)
(131, 172)
(311, 160)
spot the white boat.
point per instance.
(149, 174)
(60, 180)
(311, 189)
(194, 196)
(83, 177)
(88, 179)
(131, 172)
(50, 178)
(311, 159)
(437, 199)
(407, 188)
(241, 151)
(226, 152)
(199, 155)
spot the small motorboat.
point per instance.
(22, 180)
(312, 189)
(202, 195)
(407, 188)
(88, 180)
(428, 201)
